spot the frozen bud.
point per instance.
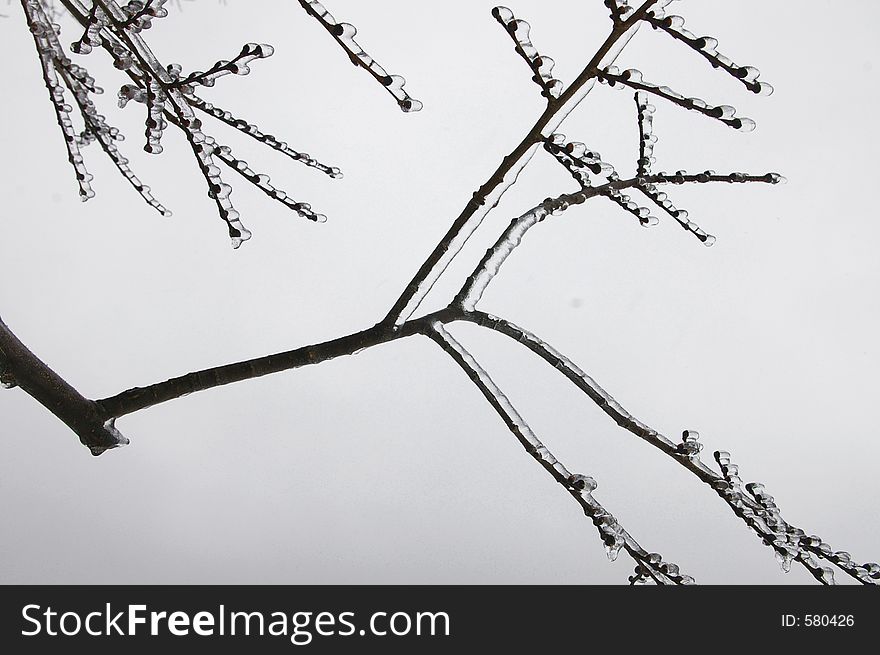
(582, 483)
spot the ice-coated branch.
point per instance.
(486, 271)
(541, 66)
(647, 140)
(632, 78)
(789, 543)
(645, 112)
(755, 508)
(262, 182)
(581, 487)
(255, 133)
(43, 32)
(707, 47)
(620, 10)
(582, 159)
(142, 13)
(344, 34)
(96, 128)
(239, 65)
(490, 193)
(170, 100)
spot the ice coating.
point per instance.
(633, 79)
(91, 37)
(255, 133)
(155, 124)
(97, 129)
(542, 67)
(239, 65)
(707, 47)
(690, 445)
(661, 199)
(501, 402)
(45, 39)
(647, 140)
(141, 14)
(167, 94)
(344, 34)
(614, 537)
(495, 256)
(620, 10)
(749, 502)
(578, 158)
(790, 544)
(118, 438)
(262, 182)
(487, 197)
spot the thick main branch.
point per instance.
(24, 369)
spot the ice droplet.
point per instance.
(612, 549)
(582, 483)
(784, 559)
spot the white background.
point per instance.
(389, 466)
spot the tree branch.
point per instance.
(489, 194)
(755, 508)
(478, 281)
(613, 535)
(20, 367)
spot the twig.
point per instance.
(613, 535)
(344, 34)
(489, 194)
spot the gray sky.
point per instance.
(389, 466)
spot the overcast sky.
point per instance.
(389, 467)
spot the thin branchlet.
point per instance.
(581, 487)
(541, 66)
(632, 78)
(344, 34)
(169, 98)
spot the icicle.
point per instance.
(690, 445)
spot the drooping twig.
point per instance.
(169, 98)
(541, 66)
(645, 111)
(707, 47)
(344, 34)
(789, 544)
(632, 78)
(613, 535)
(266, 139)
